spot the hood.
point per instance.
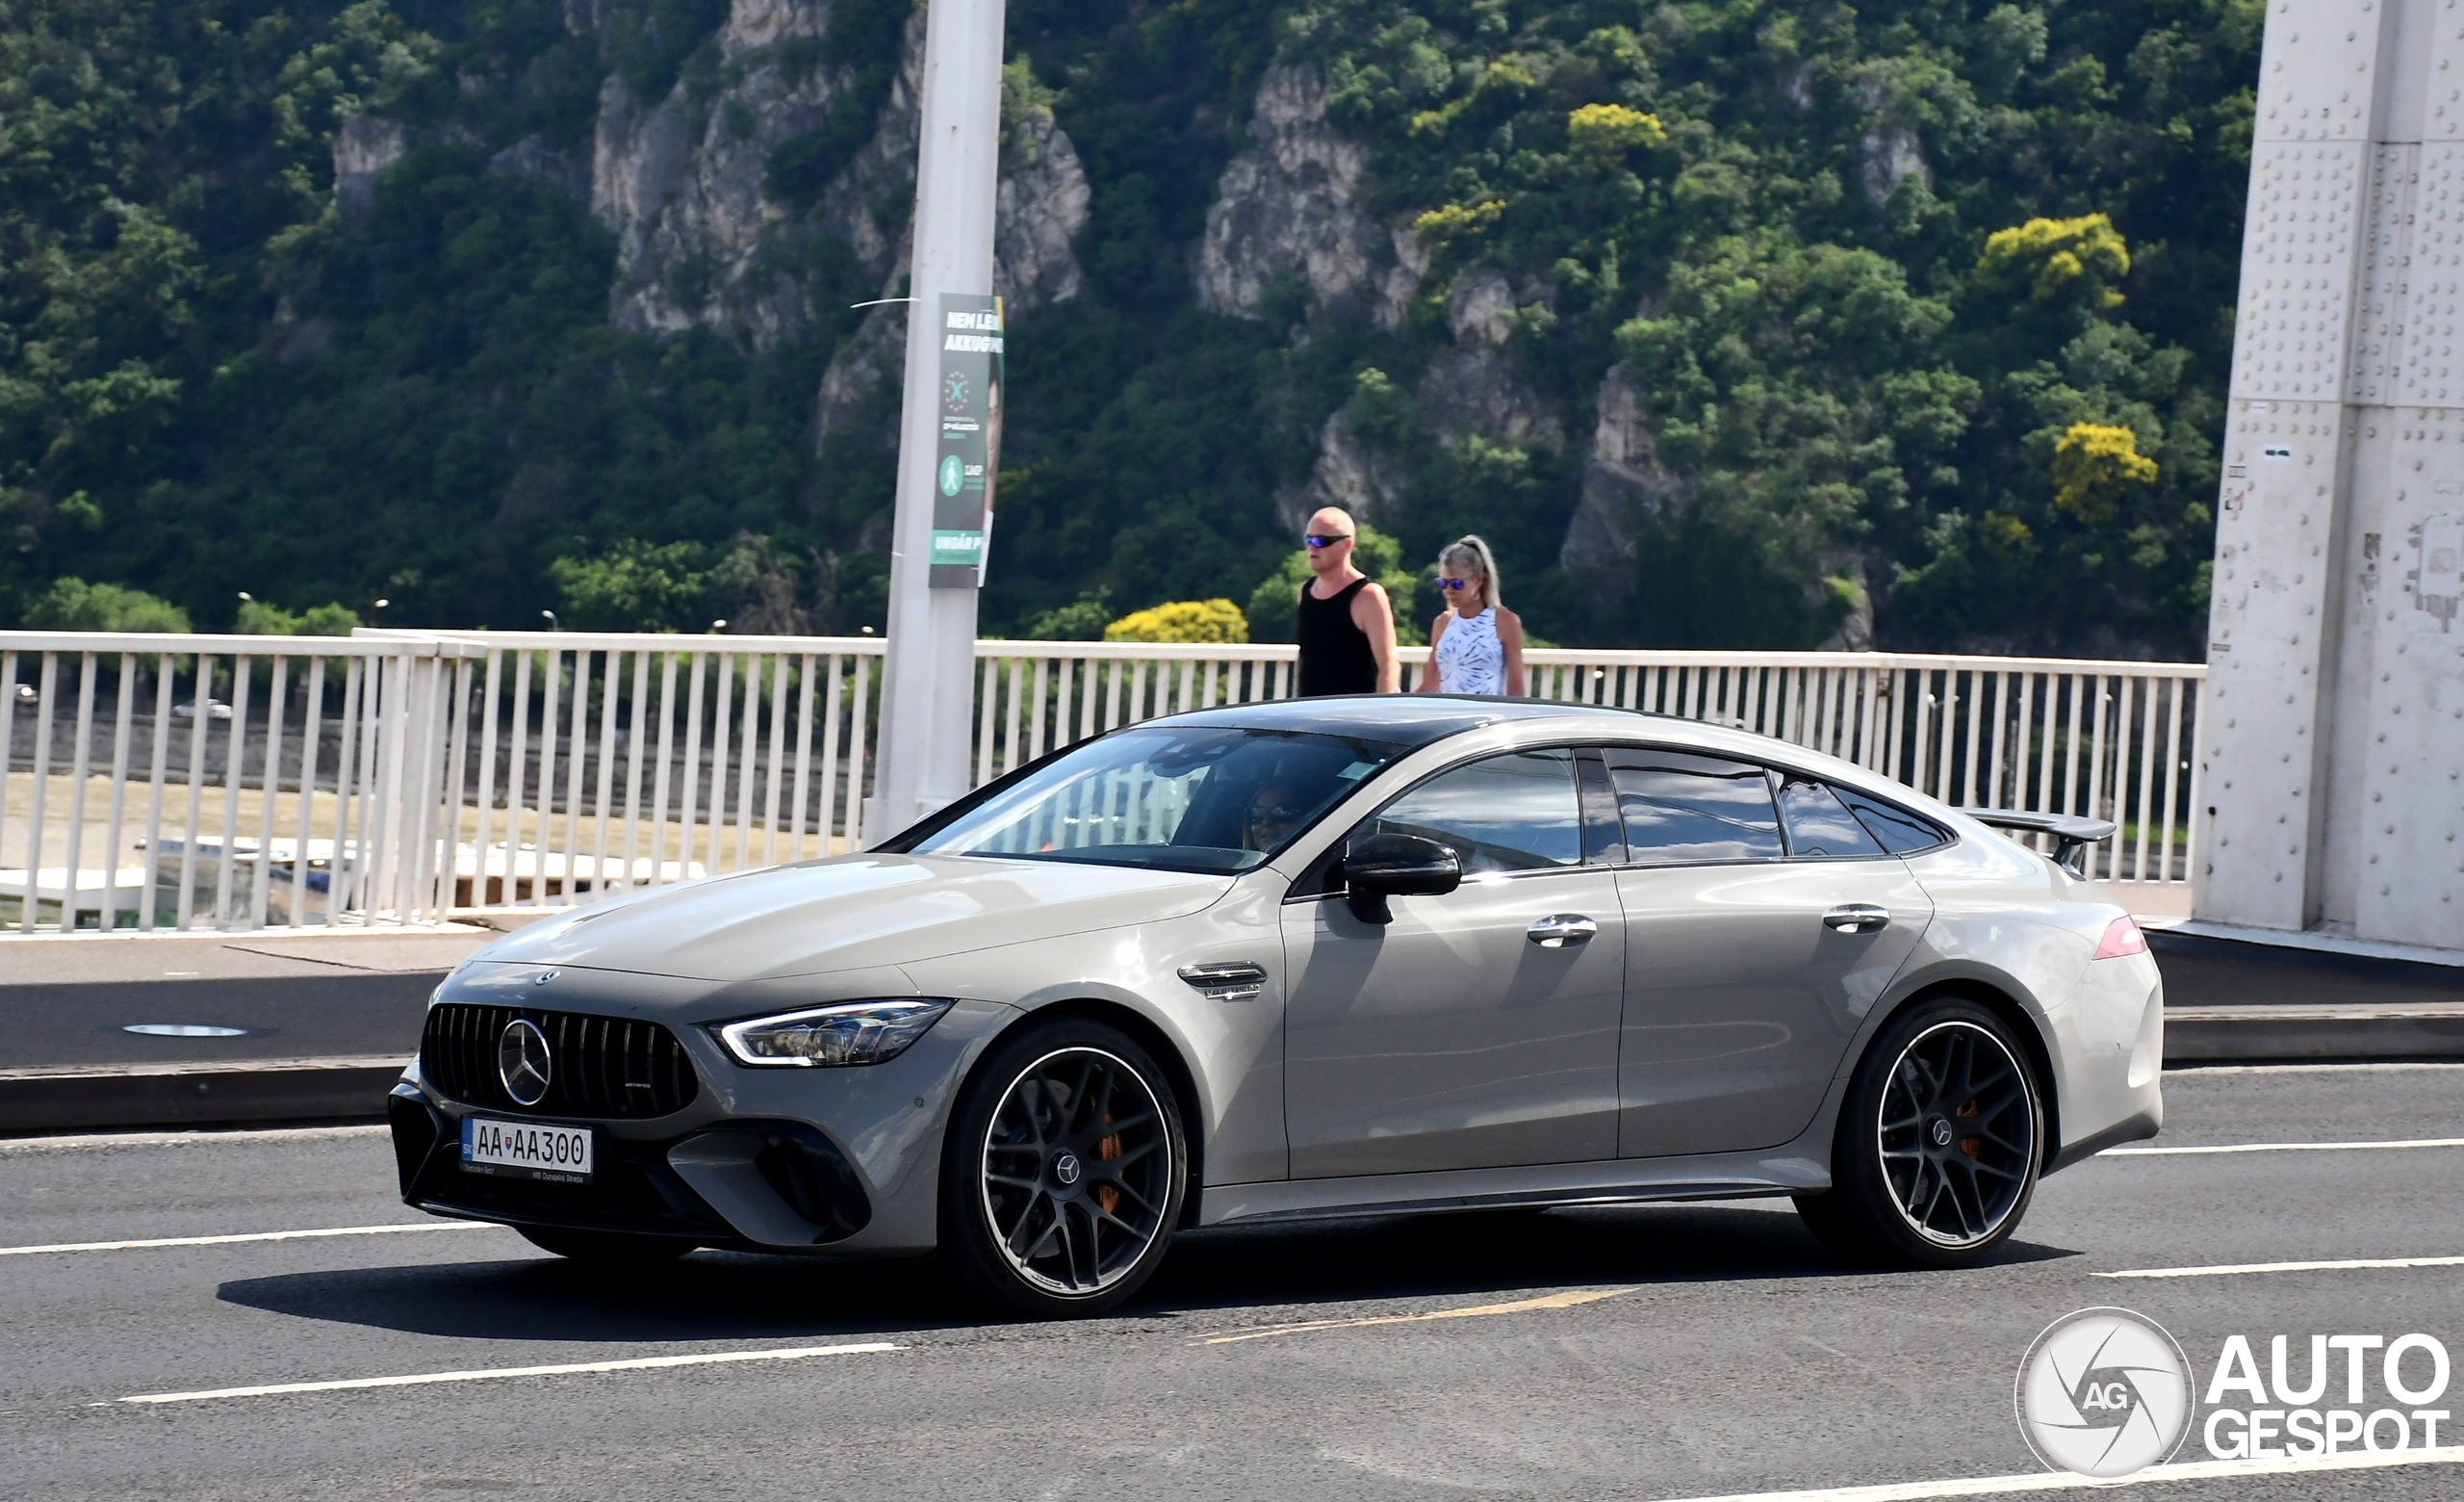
(850, 912)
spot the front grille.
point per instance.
(599, 1066)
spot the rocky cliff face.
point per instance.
(1288, 207)
(703, 242)
(1624, 490)
(680, 181)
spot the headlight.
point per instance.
(854, 1032)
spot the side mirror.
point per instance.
(1396, 866)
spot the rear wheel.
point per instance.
(1064, 1172)
(1938, 1143)
(605, 1248)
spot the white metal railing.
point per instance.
(177, 782)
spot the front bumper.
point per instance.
(838, 1160)
(786, 1184)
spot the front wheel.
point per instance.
(1939, 1143)
(1063, 1173)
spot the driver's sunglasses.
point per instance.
(1321, 540)
(1279, 814)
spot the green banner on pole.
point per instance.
(970, 456)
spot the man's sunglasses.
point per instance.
(1320, 540)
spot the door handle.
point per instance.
(1858, 918)
(1563, 931)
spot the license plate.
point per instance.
(525, 1149)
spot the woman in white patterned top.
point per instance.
(1477, 645)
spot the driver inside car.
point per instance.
(1272, 811)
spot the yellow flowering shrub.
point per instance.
(1182, 620)
(1612, 128)
(1455, 221)
(2093, 466)
(2053, 257)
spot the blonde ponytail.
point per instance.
(1472, 553)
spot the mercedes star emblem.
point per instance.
(523, 1062)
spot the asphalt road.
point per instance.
(1672, 1351)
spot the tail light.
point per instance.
(2121, 937)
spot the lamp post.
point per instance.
(926, 684)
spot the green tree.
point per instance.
(264, 618)
(74, 604)
(632, 587)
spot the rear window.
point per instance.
(1820, 825)
(1896, 830)
(1680, 809)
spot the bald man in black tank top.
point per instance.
(1346, 628)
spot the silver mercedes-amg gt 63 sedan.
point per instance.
(1307, 959)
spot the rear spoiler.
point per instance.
(2071, 833)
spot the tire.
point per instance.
(1064, 1172)
(1938, 1145)
(612, 1249)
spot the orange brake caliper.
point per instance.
(1108, 1149)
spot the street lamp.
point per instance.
(718, 625)
(927, 688)
(553, 624)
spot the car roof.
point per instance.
(1411, 720)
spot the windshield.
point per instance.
(1187, 798)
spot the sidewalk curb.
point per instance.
(2260, 1033)
(277, 1090)
(256, 1089)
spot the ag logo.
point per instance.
(954, 390)
(2104, 1393)
(953, 475)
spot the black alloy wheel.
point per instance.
(1064, 1170)
(1939, 1142)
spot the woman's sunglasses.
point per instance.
(1318, 540)
(1454, 583)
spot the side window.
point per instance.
(1512, 813)
(1681, 808)
(1819, 825)
(1899, 832)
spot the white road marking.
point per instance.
(184, 1139)
(2193, 1070)
(2067, 1481)
(254, 1236)
(490, 1374)
(1551, 1301)
(2231, 1269)
(2285, 1147)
